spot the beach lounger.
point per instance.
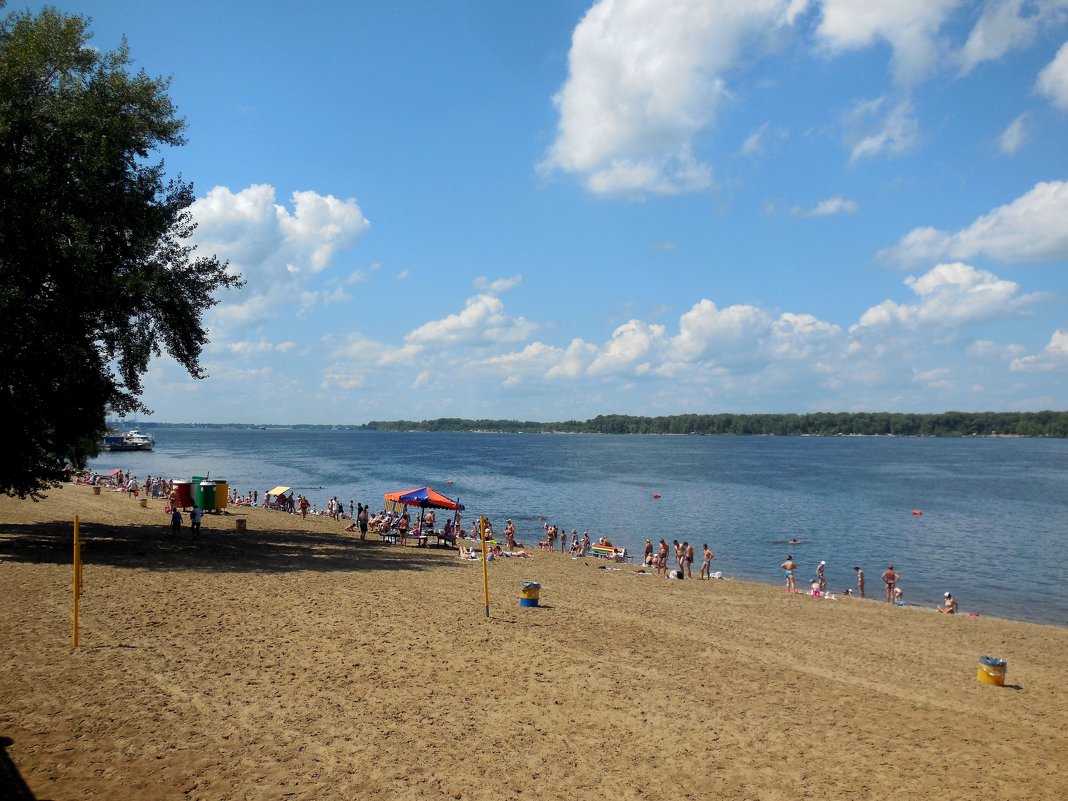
(609, 552)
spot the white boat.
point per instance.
(130, 441)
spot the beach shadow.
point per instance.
(12, 786)
(154, 547)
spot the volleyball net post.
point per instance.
(77, 581)
(485, 571)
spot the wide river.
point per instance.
(993, 528)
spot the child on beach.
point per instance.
(176, 521)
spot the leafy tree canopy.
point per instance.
(96, 273)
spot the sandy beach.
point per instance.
(292, 661)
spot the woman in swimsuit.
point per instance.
(890, 577)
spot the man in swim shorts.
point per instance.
(706, 566)
(821, 579)
(860, 580)
(687, 558)
(789, 566)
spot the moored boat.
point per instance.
(130, 441)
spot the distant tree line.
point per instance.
(821, 424)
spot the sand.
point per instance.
(293, 661)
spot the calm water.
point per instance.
(994, 528)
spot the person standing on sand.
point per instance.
(361, 521)
(678, 555)
(194, 520)
(176, 520)
(789, 566)
(890, 578)
(662, 556)
(303, 504)
(688, 558)
(821, 579)
(647, 554)
(860, 580)
(706, 566)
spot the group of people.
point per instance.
(124, 481)
(580, 547)
(196, 515)
(554, 533)
(361, 521)
(657, 559)
(492, 552)
(890, 577)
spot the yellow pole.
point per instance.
(77, 581)
(485, 572)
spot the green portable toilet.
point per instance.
(205, 496)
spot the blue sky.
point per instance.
(557, 209)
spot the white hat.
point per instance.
(823, 563)
(947, 595)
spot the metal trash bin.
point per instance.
(992, 670)
(529, 593)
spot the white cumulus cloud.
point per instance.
(910, 27)
(1053, 80)
(1016, 135)
(645, 77)
(827, 208)
(1005, 25)
(948, 296)
(874, 128)
(499, 285)
(1054, 357)
(482, 319)
(277, 251)
(630, 347)
(1031, 228)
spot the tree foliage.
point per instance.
(820, 424)
(96, 273)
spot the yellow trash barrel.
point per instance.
(529, 591)
(992, 670)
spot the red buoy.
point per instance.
(656, 495)
(917, 512)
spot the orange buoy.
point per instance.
(656, 496)
(917, 512)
